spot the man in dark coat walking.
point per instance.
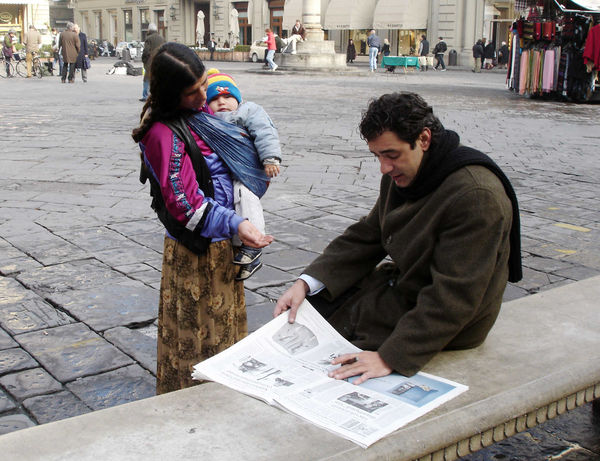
(70, 45)
(152, 42)
(477, 56)
(438, 51)
(212, 46)
(448, 220)
(82, 57)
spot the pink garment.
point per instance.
(524, 69)
(548, 76)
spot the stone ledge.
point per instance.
(540, 360)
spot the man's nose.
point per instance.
(385, 165)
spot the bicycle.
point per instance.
(7, 68)
(36, 67)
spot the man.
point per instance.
(32, 42)
(55, 51)
(477, 56)
(70, 44)
(212, 46)
(152, 42)
(503, 56)
(83, 55)
(438, 51)
(299, 29)
(448, 219)
(374, 44)
(423, 52)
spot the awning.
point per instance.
(349, 14)
(401, 14)
(592, 6)
(292, 10)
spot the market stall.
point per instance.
(555, 49)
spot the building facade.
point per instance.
(18, 14)
(459, 22)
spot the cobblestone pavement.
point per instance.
(80, 249)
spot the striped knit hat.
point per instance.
(219, 84)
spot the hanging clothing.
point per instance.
(591, 52)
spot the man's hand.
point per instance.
(367, 364)
(271, 170)
(291, 299)
(251, 236)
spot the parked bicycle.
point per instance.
(36, 67)
(7, 68)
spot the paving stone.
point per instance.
(253, 298)
(118, 304)
(17, 265)
(29, 383)
(15, 359)
(115, 387)
(268, 276)
(31, 315)
(6, 403)
(11, 423)
(135, 344)
(72, 351)
(578, 426)
(133, 253)
(87, 273)
(289, 259)
(94, 239)
(577, 273)
(6, 342)
(259, 315)
(54, 407)
(12, 291)
(513, 292)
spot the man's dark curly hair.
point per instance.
(405, 114)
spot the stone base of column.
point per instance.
(313, 55)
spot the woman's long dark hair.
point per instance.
(174, 68)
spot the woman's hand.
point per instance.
(251, 236)
(271, 170)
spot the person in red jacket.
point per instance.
(271, 47)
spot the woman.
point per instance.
(201, 306)
(350, 51)
(386, 52)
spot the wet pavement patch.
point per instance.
(71, 351)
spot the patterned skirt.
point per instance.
(201, 311)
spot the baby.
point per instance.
(225, 100)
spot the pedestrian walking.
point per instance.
(8, 50)
(438, 51)
(69, 44)
(489, 54)
(82, 62)
(271, 47)
(212, 46)
(477, 56)
(201, 307)
(32, 42)
(423, 52)
(151, 44)
(56, 52)
(374, 44)
(350, 51)
(503, 56)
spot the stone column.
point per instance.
(311, 18)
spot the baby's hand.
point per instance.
(271, 170)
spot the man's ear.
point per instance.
(425, 139)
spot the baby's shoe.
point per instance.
(246, 255)
(248, 270)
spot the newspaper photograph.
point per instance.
(287, 364)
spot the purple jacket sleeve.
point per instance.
(167, 161)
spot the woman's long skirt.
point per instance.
(201, 310)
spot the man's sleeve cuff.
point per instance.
(314, 285)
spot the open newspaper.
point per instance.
(286, 366)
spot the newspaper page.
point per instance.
(286, 365)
